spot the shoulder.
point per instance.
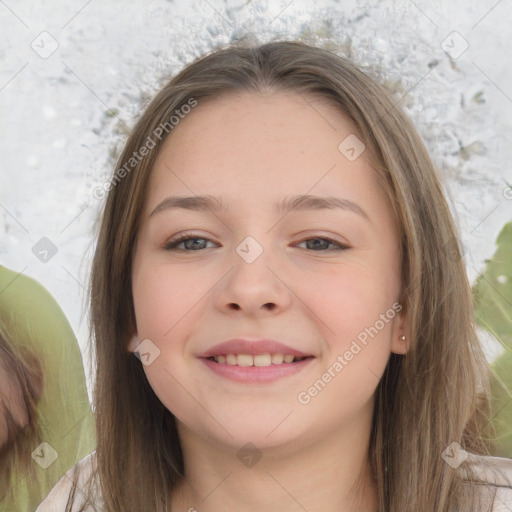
(30, 313)
(77, 481)
(496, 474)
(17, 287)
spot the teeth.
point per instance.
(245, 360)
(277, 358)
(262, 360)
(256, 360)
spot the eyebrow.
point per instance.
(293, 203)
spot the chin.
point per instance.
(241, 427)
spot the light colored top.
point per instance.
(31, 318)
(496, 472)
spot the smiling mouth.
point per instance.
(246, 360)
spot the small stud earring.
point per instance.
(402, 337)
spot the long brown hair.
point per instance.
(434, 395)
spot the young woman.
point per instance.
(277, 252)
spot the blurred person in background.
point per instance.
(46, 423)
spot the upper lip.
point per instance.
(252, 347)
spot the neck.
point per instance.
(328, 472)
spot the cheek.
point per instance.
(349, 298)
(163, 296)
(163, 379)
(357, 316)
(355, 303)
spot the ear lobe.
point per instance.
(133, 343)
(400, 344)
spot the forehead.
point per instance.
(254, 120)
(256, 147)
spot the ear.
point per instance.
(133, 343)
(401, 335)
(400, 344)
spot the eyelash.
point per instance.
(172, 245)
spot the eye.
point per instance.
(173, 245)
(323, 243)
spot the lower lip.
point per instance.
(256, 373)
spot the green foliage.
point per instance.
(492, 297)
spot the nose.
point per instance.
(255, 288)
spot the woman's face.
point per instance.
(258, 272)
